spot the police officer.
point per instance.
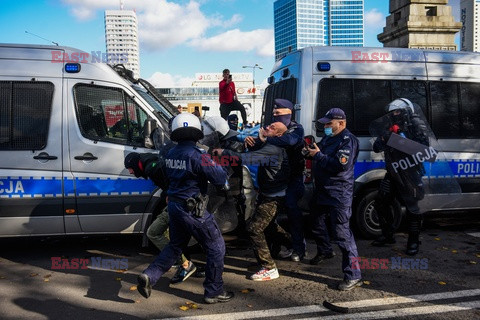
(188, 177)
(405, 183)
(334, 160)
(227, 139)
(149, 166)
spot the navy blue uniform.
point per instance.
(333, 174)
(292, 141)
(188, 174)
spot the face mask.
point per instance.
(285, 119)
(328, 131)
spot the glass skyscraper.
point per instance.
(303, 23)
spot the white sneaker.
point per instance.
(285, 253)
(265, 274)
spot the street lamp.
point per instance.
(254, 88)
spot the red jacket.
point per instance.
(226, 91)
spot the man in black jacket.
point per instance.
(273, 173)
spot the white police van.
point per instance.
(362, 81)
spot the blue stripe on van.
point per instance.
(459, 168)
(51, 187)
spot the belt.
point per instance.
(181, 201)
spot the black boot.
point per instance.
(384, 240)
(413, 243)
(414, 225)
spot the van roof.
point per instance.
(391, 54)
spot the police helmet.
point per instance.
(219, 125)
(400, 104)
(186, 126)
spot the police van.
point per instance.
(67, 121)
(362, 81)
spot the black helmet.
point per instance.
(186, 126)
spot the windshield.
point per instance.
(164, 114)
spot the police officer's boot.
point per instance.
(413, 243)
(387, 237)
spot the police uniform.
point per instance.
(188, 175)
(407, 184)
(333, 174)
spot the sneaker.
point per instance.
(346, 285)
(297, 257)
(320, 257)
(285, 254)
(265, 274)
(223, 297)
(182, 273)
(144, 287)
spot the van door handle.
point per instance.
(45, 156)
(86, 157)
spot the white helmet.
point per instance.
(186, 126)
(400, 104)
(219, 125)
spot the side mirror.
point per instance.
(148, 127)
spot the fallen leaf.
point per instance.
(442, 283)
(437, 238)
(33, 274)
(2, 277)
(472, 262)
(478, 255)
(366, 282)
(244, 291)
(47, 276)
(133, 288)
(454, 251)
(249, 305)
(46, 280)
(194, 306)
(118, 279)
(184, 308)
(121, 270)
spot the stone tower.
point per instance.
(422, 24)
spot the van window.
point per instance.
(25, 109)
(364, 100)
(285, 89)
(470, 95)
(445, 112)
(108, 114)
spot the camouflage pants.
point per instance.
(263, 225)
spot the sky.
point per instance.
(177, 38)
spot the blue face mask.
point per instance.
(328, 131)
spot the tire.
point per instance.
(366, 219)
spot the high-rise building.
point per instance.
(121, 37)
(420, 24)
(303, 23)
(469, 15)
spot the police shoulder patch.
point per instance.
(343, 158)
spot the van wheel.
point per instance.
(366, 218)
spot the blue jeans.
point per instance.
(183, 225)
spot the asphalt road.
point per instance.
(444, 283)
